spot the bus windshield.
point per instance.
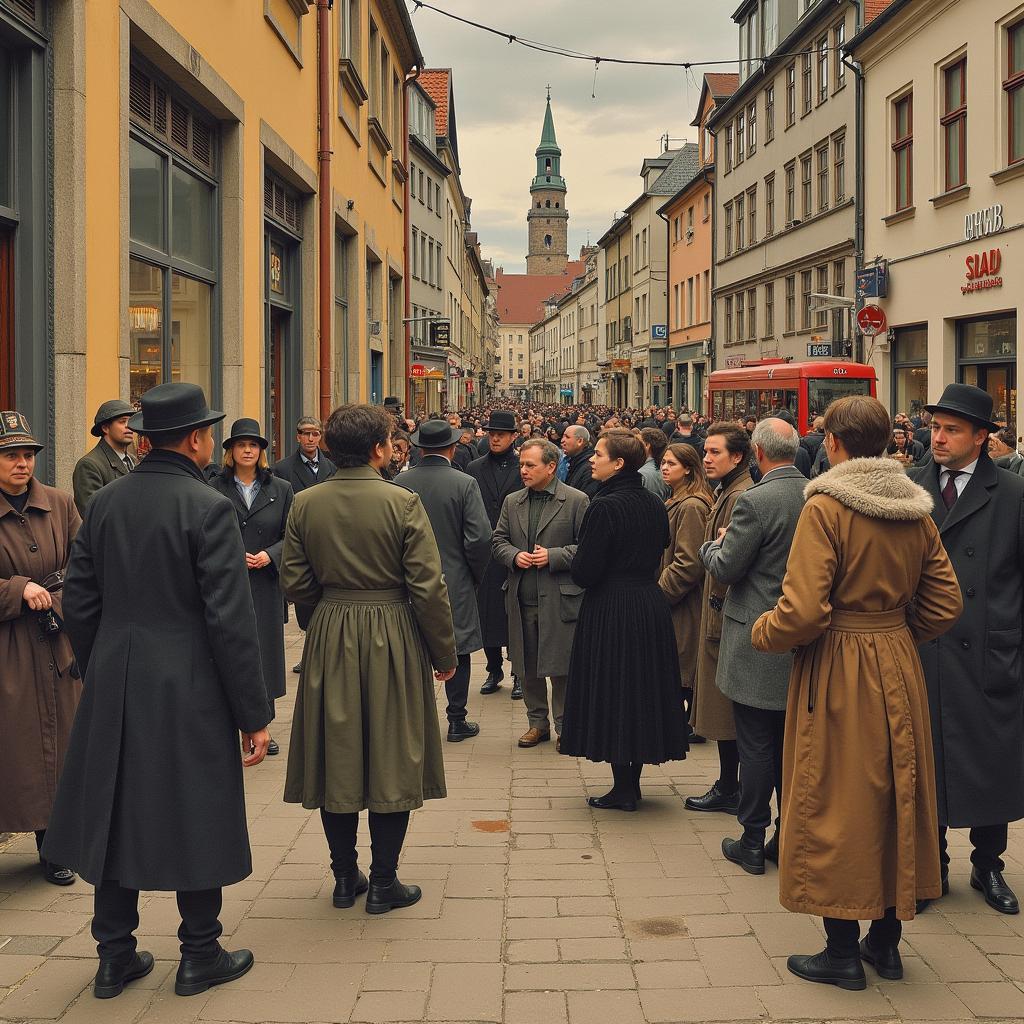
(823, 391)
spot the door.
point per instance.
(276, 367)
(1000, 381)
(376, 377)
(7, 319)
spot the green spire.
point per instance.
(549, 156)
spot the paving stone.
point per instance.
(597, 1007)
(49, 990)
(926, 1002)
(681, 1004)
(389, 1006)
(671, 974)
(986, 999)
(314, 992)
(592, 949)
(389, 977)
(14, 968)
(566, 977)
(466, 992)
(532, 951)
(535, 1008)
(823, 1002)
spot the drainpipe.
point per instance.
(858, 235)
(323, 35)
(409, 79)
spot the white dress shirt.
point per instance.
(961, 481)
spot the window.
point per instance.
(808, 85)
(806, 196)
(741, 331)
(790, 95)
(412, 181)
(752, 127)
(1014, 86)
(838, 41)
(707, 207)
(769, 114)
(790, 304)
(728, 229)
(689, 219)
(437, 200)
(690, 313)
(839, 277)
(823, 195)
(839, 167)
(728, 149)
(740, 223)
(740, 139)
(374, 70)
(676, 291)
(903, 151)
(769, 310)
(675, 229)
(415, 253)
(752, 215)
(954, 125)
(752, 313)
(707, 291)
(430, 194)
(806, 287)
(728, 319)
(823, 69)
(790, 194)
(769, 206)
(821, 315)
(349, 24)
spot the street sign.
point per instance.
(873, 282)
(819, 349)
(441, 333)
(871, 321)
(659, 332)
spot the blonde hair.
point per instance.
(229, 459)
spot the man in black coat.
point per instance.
(158, 610)
(497, 473)
(975, 688)
(577, 447)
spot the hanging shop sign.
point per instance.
(873, 282)
(983, 271)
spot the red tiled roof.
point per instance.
(722, 85)
(436, 83)
(521, 297)
(873, 8)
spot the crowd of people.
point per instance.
(840, 613)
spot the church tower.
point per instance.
(548, 219)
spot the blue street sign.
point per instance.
(659, 332)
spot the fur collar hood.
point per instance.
(878, 488)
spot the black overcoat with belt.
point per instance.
(159, 613)
(498, 477)
(974, 672)
(262, 528)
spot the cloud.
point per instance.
(500, 90)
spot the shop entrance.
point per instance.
(277, 371)
(6, 319)
(987, 357)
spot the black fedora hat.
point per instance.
(110, 411)
(245, 429)
(436, 434)
(968, 402)
(174, 406)
(501, 421)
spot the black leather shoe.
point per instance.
(886, 961)
(111, 978)
(492, 683)
(829, 970)
(611, 802)
(297, 668)
(714, 800)
(57, 874)
(393, 896)
(347, 888)
(694, 737)
(195, 976)
(517, 688)
(998, 895)
(459, 731)
(273, 749)
(771, 849)
(923, 905)
(750, 858)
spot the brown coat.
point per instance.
(38, 696)
(867, 581)
(712, 712)
(682, 576)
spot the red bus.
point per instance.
(763, 387)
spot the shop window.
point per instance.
(910, 369)
(1014, 86)
(954, 125)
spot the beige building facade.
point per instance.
(944, 195)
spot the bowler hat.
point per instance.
(245, 429)
(15, 431)
(968, 402)
(501, 421)
(436, 434)
(108, 411)
(174, 406)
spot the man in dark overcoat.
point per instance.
(577, 447)
(159, 614)
(463, 533)
(973, 672)
(497, 473)
(109, 458)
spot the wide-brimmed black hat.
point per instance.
(436, 434)
(110, 411)
(967, 401)
(174, 406)
(245, 429)
(501, 421)
(15, 431)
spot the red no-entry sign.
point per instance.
(871, 320)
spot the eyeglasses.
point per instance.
(309, 433)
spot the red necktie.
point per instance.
(949, 493)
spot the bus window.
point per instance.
(781, 399)
(823, 391)
(753, 408)
(717, 404)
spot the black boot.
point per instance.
(348, 887)
(195, 976)
(771, 849)
(886, 960)
(517, 688)
(827, 969)
(493, 682)
(714, 800)
(391, 896)
(111, 978)
(459, 731)
(750, 857)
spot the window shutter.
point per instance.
(179, 125)
(26, 7)
(281, 203)
(140, 96)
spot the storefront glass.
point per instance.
(910, 370)
(987, 354)
(145, 326)
(145, 195)
(191, 319)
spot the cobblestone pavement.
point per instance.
(536, 910)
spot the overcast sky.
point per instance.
(499, 101)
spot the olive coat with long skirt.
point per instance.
(262, 528)
(623, 702)
(867, 581)
(682, 576)
(711, 714)
(38, 691)
(361, 551)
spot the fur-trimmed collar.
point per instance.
(878, 488)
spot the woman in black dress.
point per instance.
(623, 701)
(261, 502)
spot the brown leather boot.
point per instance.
(533, 736)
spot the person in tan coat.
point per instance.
(867, 581)
(727, 464)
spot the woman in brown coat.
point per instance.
(38, 692)
(867, 581)
(682, 572)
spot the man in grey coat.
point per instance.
(750, 556)
(535, 540)
(110, 458)
(455, 508)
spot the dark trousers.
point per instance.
(759, 736)
(494, 661)
(843, 937)
(728, 766)
(116, 916)
(989, 842)
(457, 690)
(387, 833)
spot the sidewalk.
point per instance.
(536, 910)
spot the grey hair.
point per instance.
(777, 447)
(581, 432)
(308, 421)
(549, 453)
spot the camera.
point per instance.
(49, 624)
